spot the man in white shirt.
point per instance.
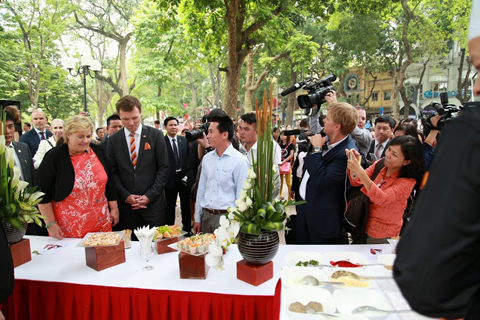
(247, 129)
(224, 172)
(33, 137)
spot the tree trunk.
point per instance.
(249, 82)
(341, 89)
(292, 100)
(123, 65)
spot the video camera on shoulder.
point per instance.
(444, 109)
(317, 90)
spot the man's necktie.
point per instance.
(43, 135)
(175, 155)
(378, 153)
(133, 152)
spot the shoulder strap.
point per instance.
(50, 143)
(378, 166)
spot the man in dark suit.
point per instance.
(113, 125)
(177, 148)
(23, 162)
(319, 221)
(139, 161)
(384, 126)
(32, 138)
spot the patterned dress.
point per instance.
(86, 208)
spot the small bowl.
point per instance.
(292, 276)
(294, 257)
(304, 295)
(349, 299)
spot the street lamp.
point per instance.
(87, 64)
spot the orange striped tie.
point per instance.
(133, 151)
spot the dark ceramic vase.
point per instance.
(13, 234)
(259, 249)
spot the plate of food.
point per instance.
(297, 277)
(167, 232)
(304, 259)
(351, 277)
(298, 301)
(345, 259)
(195, 245)
(101, 239)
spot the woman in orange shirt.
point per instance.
(388, 193)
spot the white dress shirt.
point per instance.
(221, 180)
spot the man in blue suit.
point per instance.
(32, 137)
(319, 221)
(177, 150)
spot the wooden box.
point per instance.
(20, 252)
(100, 258)
(162, 246)
(254, 274)
(192, 267)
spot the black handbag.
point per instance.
(356, 212)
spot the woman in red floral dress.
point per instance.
(74, 177)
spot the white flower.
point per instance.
(248, 202)
(215, 249)
(230, 209)
(213, 261)
(9, 153)
(233, 229)
(247, 185)
(231, 216)
(35, 196)
(243, 195)
(242, 207)
(21, 185)
(251, 174)
(222, 237)
(2, 144)
(16, 176)
(239, 201)
(224, 222)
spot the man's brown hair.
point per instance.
(128, 103)
(345, 115)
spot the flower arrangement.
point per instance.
(255, 209)
(18, 201)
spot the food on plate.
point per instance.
(349, 278)
(167, 232)
(311, 307)
(389, 268)
(313, 263)
(196, 244)
(345, 264)
(102, 239)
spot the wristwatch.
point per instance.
(317, 149)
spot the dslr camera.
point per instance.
(304, 145)
(317, 90)
(193, 135)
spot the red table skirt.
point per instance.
(63, 301)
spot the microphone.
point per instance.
(292, 88)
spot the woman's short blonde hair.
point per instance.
(345, 115)
(77, 123)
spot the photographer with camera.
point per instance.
(438, 257)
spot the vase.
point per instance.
(259, 249)
(13, 234)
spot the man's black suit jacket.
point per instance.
(372, 150)
(182, 145)
(32, 139)
(150, 175)
(25, 158)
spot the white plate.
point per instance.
(294, 257)
(349, 299)
(304, 295)
(358, 271)
(387, 259)
(292, 276)
(353, 257)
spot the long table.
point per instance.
(62, 286)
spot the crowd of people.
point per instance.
(130, 175)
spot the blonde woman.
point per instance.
(50, 143)
(74, 177)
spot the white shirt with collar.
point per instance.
(377, 145)
(39, 134)
(138, 135)
(178, 150)
(17, 161)
(306, 176)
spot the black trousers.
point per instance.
(171, 195)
